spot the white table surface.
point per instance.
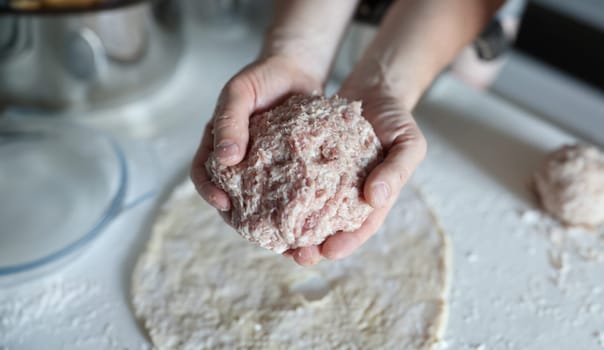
(506, 292)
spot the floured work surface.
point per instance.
(199, 285)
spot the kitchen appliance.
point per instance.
(555, 69)
(82, 54)
(63, 182)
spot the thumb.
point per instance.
(404, 155)
(231, 122)
(256, 87)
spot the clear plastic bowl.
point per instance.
(60, 184)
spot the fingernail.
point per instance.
(227, 149)
(379, 194)
(213, 200)
(223, 208)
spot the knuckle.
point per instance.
(406, 132)
(244, 84)
(411, 138)
(236, 85)
(227, 93)
(224, 121)
(208, 132)
(206, 189)
(403, 174)
(396, 130)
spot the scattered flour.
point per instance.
(34, 308)
(63, 313)
(572, 252)
(566, 243)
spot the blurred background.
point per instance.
(62, 55)
(102, 103)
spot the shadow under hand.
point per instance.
(502, 155)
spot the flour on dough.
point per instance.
(199, 285)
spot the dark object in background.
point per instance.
(492, 42)
(564, 40)
(372, 11)
(86, 58)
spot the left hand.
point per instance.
(404, 148)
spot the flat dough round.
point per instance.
(199, 285)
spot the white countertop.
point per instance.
(506, 292)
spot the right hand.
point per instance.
(257, 87)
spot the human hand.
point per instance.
(404, 148)
(396, 68)
(257, 87)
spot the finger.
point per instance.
(403, 157)
(256, 87)
(342, 244)
(386, 180)
(216, 197)
(231, 121)
(226, 216)
(288, 253)
(307, 256)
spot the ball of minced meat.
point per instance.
(302, 178)
(570, 184)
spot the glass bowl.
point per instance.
(60, 184)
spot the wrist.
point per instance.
(286, 67)
(305, 52)
(308, 32)
(373, 81)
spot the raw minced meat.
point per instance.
(570, 184)
(302, 178)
